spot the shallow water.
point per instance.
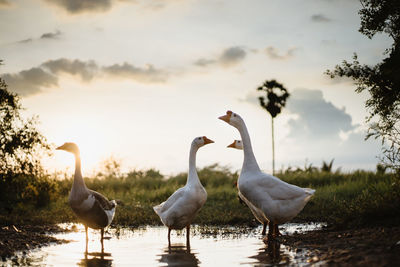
(148, 246)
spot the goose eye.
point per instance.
(234, 115)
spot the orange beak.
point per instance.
(207, 141)
(232, 145)
(60, 147)
(227, 117)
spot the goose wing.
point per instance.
(259, 214)
(178, 194)
(102, 200)
(278, 189)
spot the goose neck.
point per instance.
(249, 161)
(78, 179)
(192, 175)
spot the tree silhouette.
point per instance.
(19, 139)
(22, 177)
(273, 102)
(381, 81)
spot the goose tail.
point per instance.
(110, 213)
(158, 209)
(309, 191)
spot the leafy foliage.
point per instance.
(20, 141)
(275, 99)
(382, 81)
(380, 16)
(380, 168)
(22, 178)
(109, 167)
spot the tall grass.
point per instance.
(354, 199)
(342, 200)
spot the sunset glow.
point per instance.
(138, 80)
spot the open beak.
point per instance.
(207, 141)
(232, 145)
(226, 117)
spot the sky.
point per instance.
(138, 80)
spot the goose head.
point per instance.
(201, 141)
(232, 118)
(69, 147)
(238, 144)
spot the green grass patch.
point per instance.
(343, 200)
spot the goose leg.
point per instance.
(169, 237)
(270, 230)
(86, 231)
(276, 230)
(102, 239)
(87, 238)
(188, 236)
(264, 229)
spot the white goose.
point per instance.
(179, 210)
(92, 208)
(278, 200)
(258, 214)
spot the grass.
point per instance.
(343, 200)
(350, 200)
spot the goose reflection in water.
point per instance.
(98, 259)
(271, 254)
(178, 255)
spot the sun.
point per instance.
(92, 144)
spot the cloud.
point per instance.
(51, 35)
(25, 41)
(315, 129)
(273, 53)
(29, 82)
(86, 70)
(48, 35)
(149, 74)
(77, 7)
(317, 118)
(81, 6)
(229, 57)
(38, 79)
(319, 130)
(4, 3)
(320, 18)
(232, 56)
(159, 4)
(203, 62)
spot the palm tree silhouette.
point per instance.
(273, 102)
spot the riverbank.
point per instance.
(374, 246)
(23, 238)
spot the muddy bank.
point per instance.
(378, 246)
(22, 238)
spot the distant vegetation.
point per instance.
(29, 195)
(343, 200)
